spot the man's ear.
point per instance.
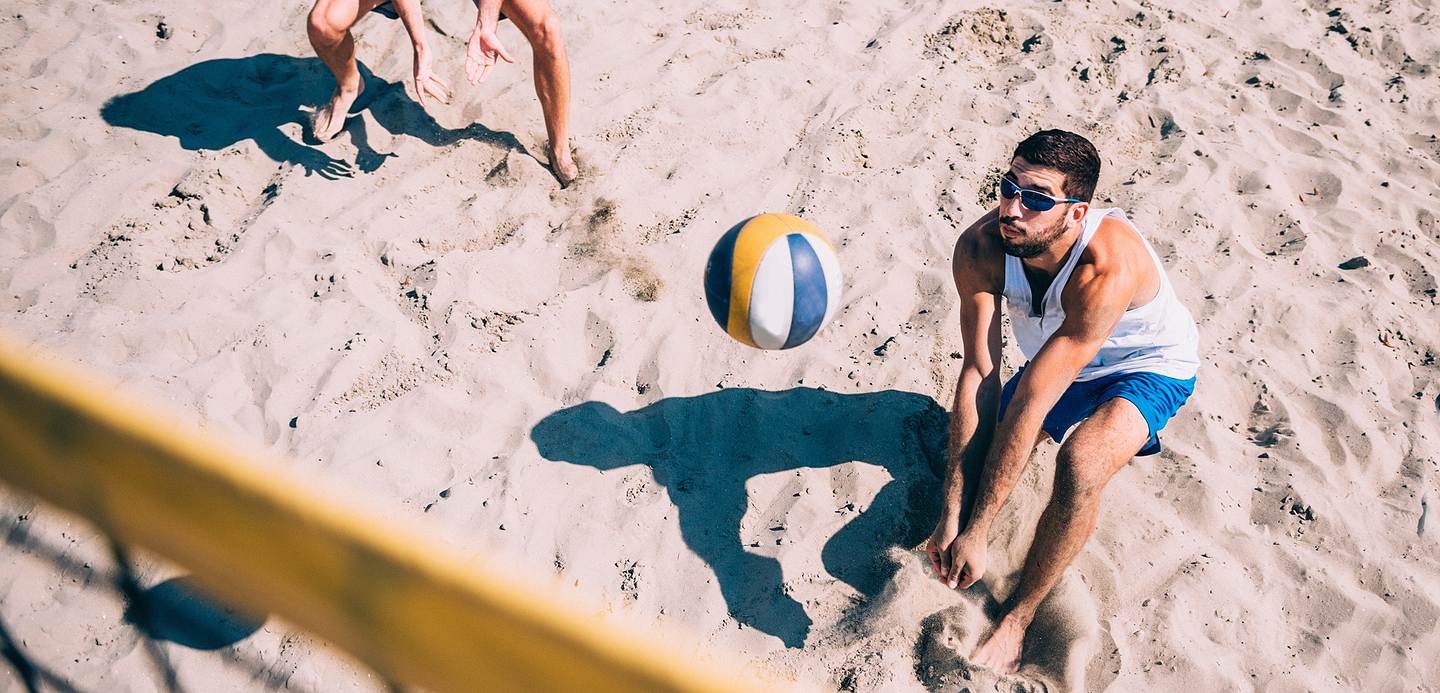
(1078, 211)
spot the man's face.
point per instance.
(1025, 233)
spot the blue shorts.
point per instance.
(1156, 396)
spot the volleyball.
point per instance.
(773, 281)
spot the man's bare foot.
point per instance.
(1001, 651)
(329, 120)
(563, 166)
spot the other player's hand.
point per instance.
(427, 83)
(481, 53)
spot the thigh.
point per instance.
(1107, 440)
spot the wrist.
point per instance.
(979, 528)
(950, 513)
(1019, 617)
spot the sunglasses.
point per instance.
(1033, 200)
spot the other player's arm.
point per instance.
(427, 83)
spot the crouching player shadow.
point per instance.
(703, 450)
(215, 104)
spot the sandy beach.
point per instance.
(427, 325)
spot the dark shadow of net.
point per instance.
(31, 674)
(218, 103)
(703, 450)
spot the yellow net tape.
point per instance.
(253, 536)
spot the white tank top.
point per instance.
(1158, 337)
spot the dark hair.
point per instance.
(1067, 153)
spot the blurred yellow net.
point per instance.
(255, 538)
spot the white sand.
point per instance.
(448, 320)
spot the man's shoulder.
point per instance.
(1116, 241)
(1116, 256)
(979, 259)
(979, 242)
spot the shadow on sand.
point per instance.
(177, 611)
(703, 450)
(217, 103)
(172, 611)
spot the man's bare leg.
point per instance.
(541, 27)
(1100, 446)
(329, 30)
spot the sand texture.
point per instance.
(425, 323)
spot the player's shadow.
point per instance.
(703, 450)
(217, 103)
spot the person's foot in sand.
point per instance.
(1001, 649)
(329, 119)
(562, 165)
(1112, 354)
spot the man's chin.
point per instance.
(1021, 250)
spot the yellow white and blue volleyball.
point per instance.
(773, 281)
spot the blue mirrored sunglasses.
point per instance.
(1033, 200)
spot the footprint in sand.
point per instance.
(1268, 427)
(323, 283)
(642, 282)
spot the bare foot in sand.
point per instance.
(563, 166)
(1001, 651)
(329, 120)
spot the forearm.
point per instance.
(972, 425)
(414, 21)
(1040, 387)
(488, 15)
(1015, 439)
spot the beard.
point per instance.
(1031, 245)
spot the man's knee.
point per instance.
(328, 22)
(545, 34)
(1079, 475)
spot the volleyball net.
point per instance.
(254, 536)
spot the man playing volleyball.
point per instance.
(1110, 352)
(329, 29)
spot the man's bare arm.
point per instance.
(414, 21)
(972, 422)
(977, 393)
(488, 16)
